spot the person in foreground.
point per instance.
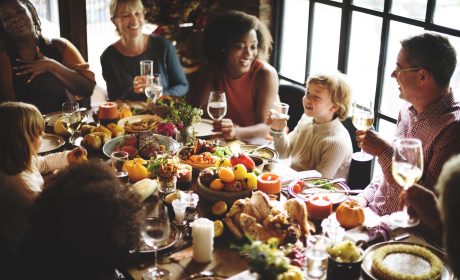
(440, 216)
(424, 67)
(35, 69)
(236, 46)
(22, 127)
(83, 225)
(320, 141)
(121, 60)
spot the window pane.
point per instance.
(294, 41)
(409, 8)
(48, 12)
(391, 103)
(370, 4)
(455, 81)
(387, 130)
(364, 57)
(446, 13)
(326, 36)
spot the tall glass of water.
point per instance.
(71, 117)
(316, 257)
(362, 118)
(155, 229)
(153, 88)
(407, 169)
(279, 117)
(217, 107)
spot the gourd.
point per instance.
(350, 214)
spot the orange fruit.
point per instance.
(216, 185)
(136, 170)
(226, 174)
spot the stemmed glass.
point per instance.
(155, 229)
(362, 118)
(407, 168)
(71, 117)
(154, 88)
(217, 105)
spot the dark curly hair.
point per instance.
(434, 53)
(226, 28)
(84, 221)
(33, 12)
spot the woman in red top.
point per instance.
(236, 46)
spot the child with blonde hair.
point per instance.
(319, 141)
(21, 168)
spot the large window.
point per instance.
(361, 38)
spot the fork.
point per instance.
(338, 180)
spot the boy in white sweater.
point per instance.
(319, 141)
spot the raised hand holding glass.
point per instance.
(362, 118)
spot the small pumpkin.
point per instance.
(350, 214)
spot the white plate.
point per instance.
(137, 106)
(204, 128)
(137, 118)
(51, 142)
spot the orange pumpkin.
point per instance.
(350, 214)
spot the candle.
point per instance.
(179, 210)
(203, 240)
(269, 183)
(319, 206)
(108, 112)
(184, 176)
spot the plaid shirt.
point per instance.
(438, 128)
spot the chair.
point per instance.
(360, 172)
(292, 94)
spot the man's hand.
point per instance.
(371, 142)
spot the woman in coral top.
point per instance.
(236, 46)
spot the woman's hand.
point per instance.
(77, 155)
(227, 128)
(34, 68)
(139, 84)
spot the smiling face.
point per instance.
(406, 78)
(16, 19)
(241, 54)
(129, 19)
(317, 103)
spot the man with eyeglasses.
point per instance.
(425, 65)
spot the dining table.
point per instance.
(227, 262)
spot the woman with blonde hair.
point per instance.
(22, 127)
(120, 61)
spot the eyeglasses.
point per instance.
(399, 70)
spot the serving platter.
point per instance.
(306, 192)
(366, 265)
(204, 129)
(139, 123)
(50, 143)
(212, 195)
(264, 152)
(137, 107)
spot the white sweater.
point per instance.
(17, 193)
(324, 147)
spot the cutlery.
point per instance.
(338, 191)
(338, 180)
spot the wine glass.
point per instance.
(155, 229)
(217, 105)
(71, 117)
(154, 88)
(362, 118)
(407, 168)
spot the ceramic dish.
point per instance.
(51, 118)
(137, 107)
(212, 195)
(366, 266)
(264, 152)
(203, 129)
(50, 143)
(171, 145)
(139, 123)
(306, 192)
(174, 235)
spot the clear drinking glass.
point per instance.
(316, 257)
(153, 88)
(407, 169)
(118, 160)
(71, 117)
(217, 105)
(279, 117)
(155, 229)
(146, 68)
(362, 118)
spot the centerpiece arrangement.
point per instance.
(165, 169)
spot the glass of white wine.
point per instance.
(217, 105)
(71, 117)
(407, 169)
(155, 229)
(154, 88)
(362, 118)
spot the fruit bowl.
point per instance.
(212, 195)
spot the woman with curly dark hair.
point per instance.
(35, 69)
(83, 226)
(236, 46)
